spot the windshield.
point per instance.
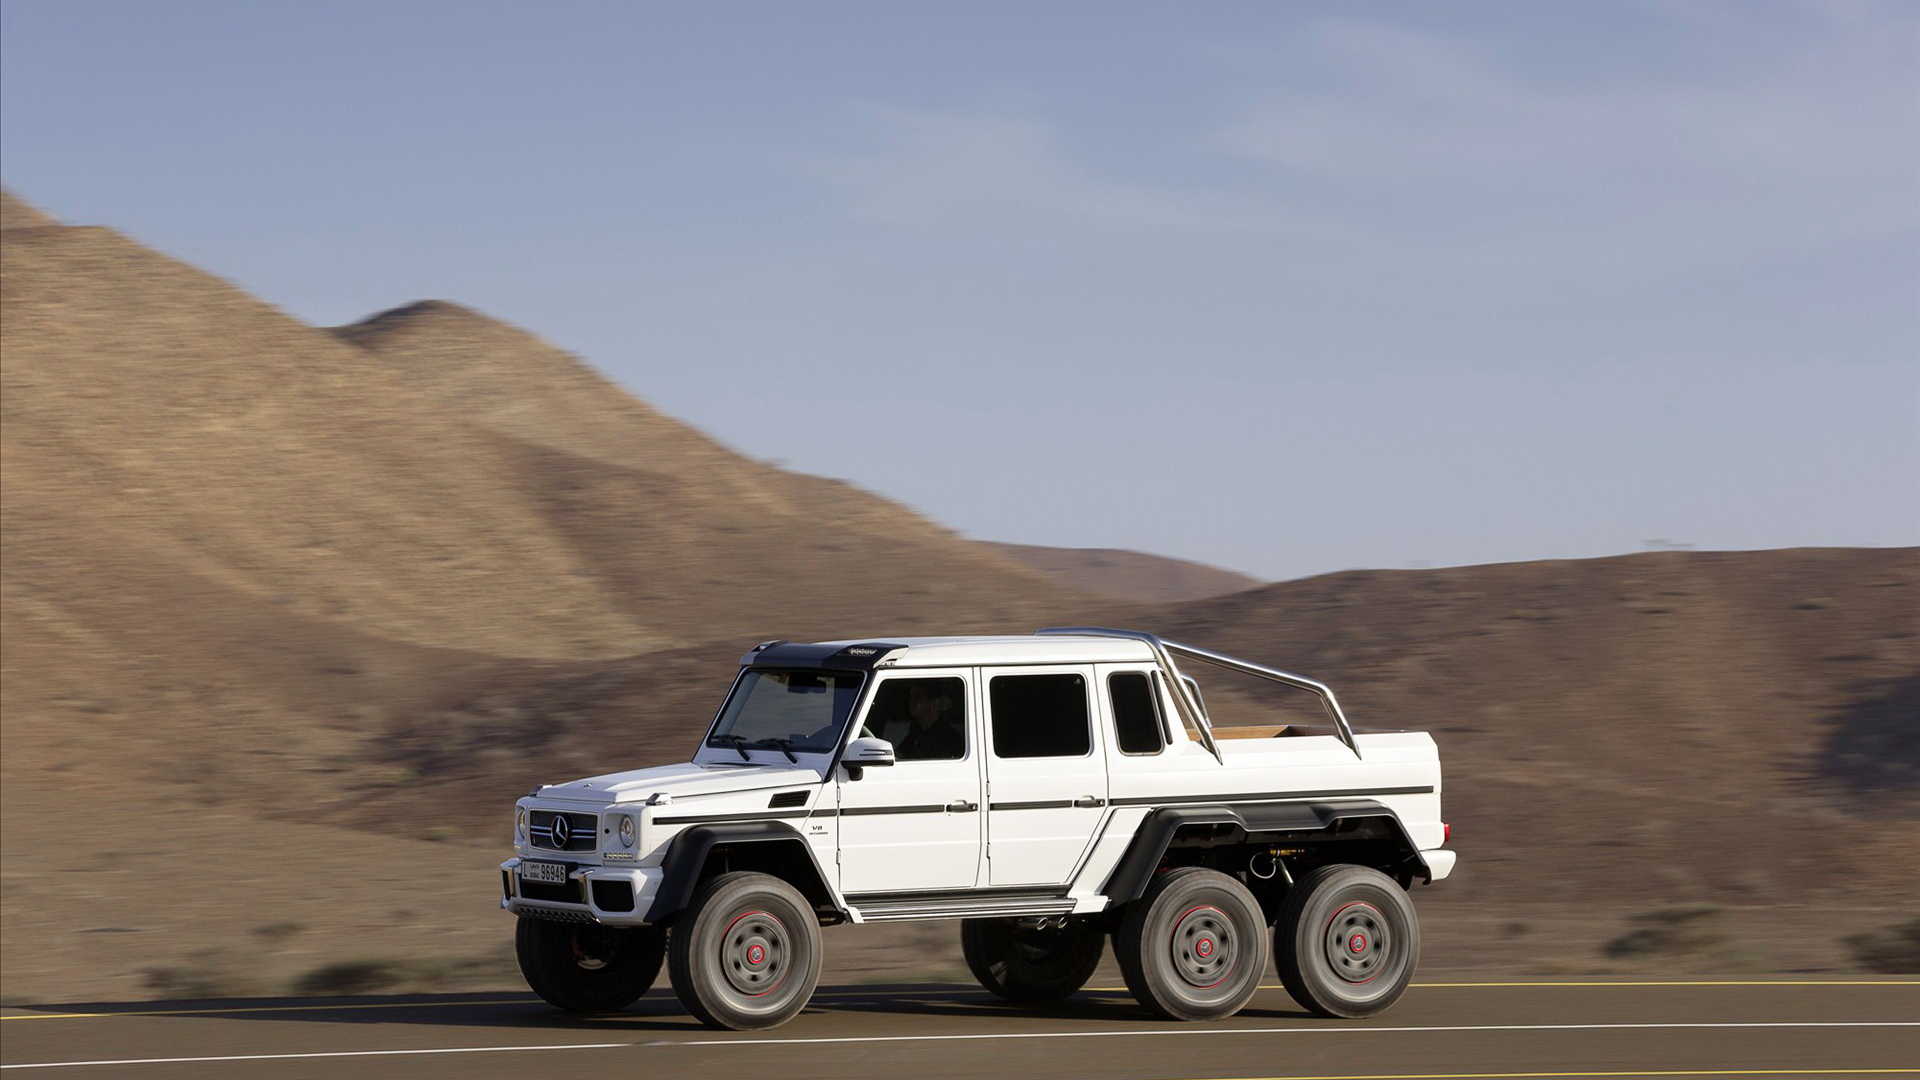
(805, 709)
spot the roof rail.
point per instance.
(1183, 698)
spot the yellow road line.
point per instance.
(1604, 983)
(267, 1008)
(1557, 1075)
(353, 1006)
(1675, 982)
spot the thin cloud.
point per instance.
(1419, 149)
(931, 167)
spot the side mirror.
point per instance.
(866, 751)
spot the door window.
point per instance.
(1040, 716)
(924, 719)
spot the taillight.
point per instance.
(1446, 833)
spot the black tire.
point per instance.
(585, 968)
(1194, 947)
(1347, 941)
(1031, 966)
(745, 954)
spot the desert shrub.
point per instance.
(204, 973)
(1668, 930)
(367, 976)
(1893, 951)
(348, 977)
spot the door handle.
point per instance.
(962, 806)
(1088, 800)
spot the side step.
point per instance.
(962, 908)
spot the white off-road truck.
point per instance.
(1048, 791)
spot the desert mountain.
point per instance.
(1131, 577)
(1738, 727)
(16, 213)
(1618, 708)
(185, 466)
(340, 594)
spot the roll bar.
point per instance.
(1191, 711)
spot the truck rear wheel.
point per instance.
(1195, 946)
(745, 954)
(1347, 941)
(581, 967)
(1028, 965)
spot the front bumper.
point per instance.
(609, 895)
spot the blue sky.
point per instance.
(1290, 288)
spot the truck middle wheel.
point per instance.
(1194, 946)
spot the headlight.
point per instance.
(626, 831)
(520, 825)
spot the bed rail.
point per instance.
(1191, 711)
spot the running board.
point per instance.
(962, 908)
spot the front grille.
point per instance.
(566, 892)
(557, 830)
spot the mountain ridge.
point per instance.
(346, 591)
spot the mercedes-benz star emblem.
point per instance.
(559, 831)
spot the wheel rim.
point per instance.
(755, 953)
(1204, 946)
(1358, 941)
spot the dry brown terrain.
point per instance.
(288, 615)
(1128, 576)
(1737, 729)
(240, 555)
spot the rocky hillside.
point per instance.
(339, 594)
(1128, 576)
(1738, 727)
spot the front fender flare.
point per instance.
(687, 853)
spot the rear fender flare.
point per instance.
(1134, 872)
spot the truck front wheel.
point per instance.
(1195, 946)
(745, 954)
(1347, 941)
(1029, 965)
(585, 968)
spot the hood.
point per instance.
(682, 780)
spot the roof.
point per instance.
(901, 652)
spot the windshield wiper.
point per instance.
(783, 745)
(739, 743)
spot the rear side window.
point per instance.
(1136, 714)
(1040, 716)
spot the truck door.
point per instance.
(1046, 774)
(917, 823)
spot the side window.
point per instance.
(924, 719)
(1040, 716)
(1136, 713)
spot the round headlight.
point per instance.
(626, 831)
(520, 824)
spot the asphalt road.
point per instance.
(1770, 1029)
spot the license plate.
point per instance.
(550, 873)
